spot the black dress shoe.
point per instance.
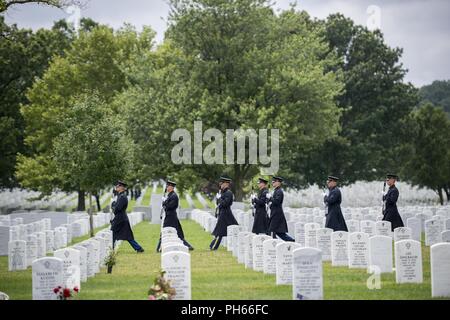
(191, 248)
(140, 251)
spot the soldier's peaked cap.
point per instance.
(225, 179)
(120, 183)
(392, 176)
(333, 178)
(171, 183)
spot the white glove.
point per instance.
(324, 194)
(268, 195)
(163, 199)
(218, 196)
(253, 196)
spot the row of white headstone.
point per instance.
(299, 263)
(176, 262)
(435, 226)
(72, 265)
(29, 200)
(36, 240)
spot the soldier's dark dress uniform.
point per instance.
(334, 218)
(120, 225)
(277, 220)
(261, 222)
(391, 213)
(170, 205)
(225, 216)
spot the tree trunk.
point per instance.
(447, 191)
(441, 196)
(91, 216)
(237, 184)
(97, 199)
(81, 206)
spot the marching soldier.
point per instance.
(120, 225)
(334, 218)
(170, 205)
(225, 218)
(390, 199)
(277, 220)
(261, 222)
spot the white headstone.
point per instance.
(102, 250)
(368, 227)
(270, 256)
(14, 233)
(47, 274)
(17, 255)
(284, 254)
(339, 248)
(71, 266)
(299, 233)
(440, 270)
(445, 236)
(83, 262)
(307, 278)
(416, 227)
(174, 247)
(96, 254)
(248, 239)
(353, 225)
(242, 244)
(402, 233)
(90, 263)
(41, 244)
(358, 250)
(258, 251)
(49, 238)
(31, 249)
(235, 241)
(4, 238)
(310, 234)
(408, 261)
(433, 229)
(323, 242)
(178, 270)
(383, 228)
(156, 203)
(380, 254)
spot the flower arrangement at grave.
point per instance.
(65, 293)
(161, 288)
(111, 259)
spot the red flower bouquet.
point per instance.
(65, 293)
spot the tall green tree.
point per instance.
(95, 63)
(437, 93)
(24, 55)
(375, 106)
(93, 150)
(428, 154)
(234, 65)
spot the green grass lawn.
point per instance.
(215, 275)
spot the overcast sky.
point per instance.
(420, 27)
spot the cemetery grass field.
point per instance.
(215, 275)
